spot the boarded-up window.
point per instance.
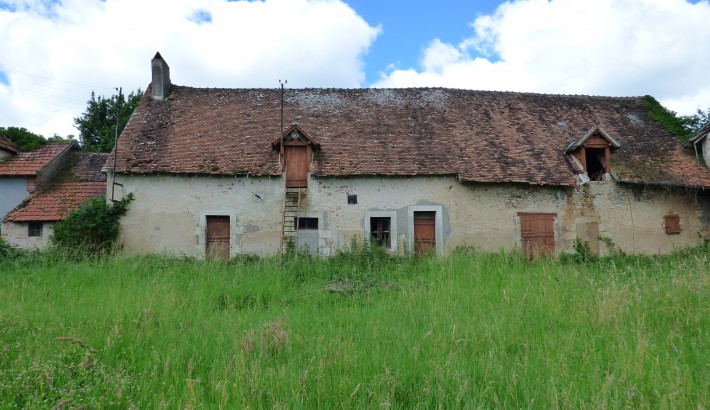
(537, 233)
(218, 237)
(672, 224)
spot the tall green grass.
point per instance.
(357, 330)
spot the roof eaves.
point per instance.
(704, 132)
(7, 145)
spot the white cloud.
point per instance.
(600, 47)
(54, 53)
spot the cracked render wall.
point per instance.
(169, 213)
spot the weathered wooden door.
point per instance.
(424, 232)
(296, 157)
(218, 237)
(537, 234)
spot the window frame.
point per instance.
(439, 227)
(382, 236)
(392, 215)
(35, 229)
(306, 226)
(201, 231)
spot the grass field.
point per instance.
(467, 331)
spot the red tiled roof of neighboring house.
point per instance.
(56, 203)
(479, 136)
(7, 145)
(31, 162)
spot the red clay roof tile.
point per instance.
(31, 162)
(480, 136)
(56, 203)
(88, 167)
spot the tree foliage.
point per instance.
(693, 123)
(683, 126)
(23, 139)
(97, 125)
(9, 251)
(92, 229)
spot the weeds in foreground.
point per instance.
(356, 330)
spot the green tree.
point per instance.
(90, 230)
(693, 123)
(97, 125)
(682, 126)
(23, 139)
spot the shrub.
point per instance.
(582, 253)
(92, 229)
(9, 251)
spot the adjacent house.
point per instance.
(219, 172)
(700, 144)
(30, 223)
(25, 173)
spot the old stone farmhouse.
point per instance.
(214, 174)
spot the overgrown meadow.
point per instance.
(356, 330)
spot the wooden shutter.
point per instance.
(537, 233)
(296, 157)
(218, 237)
(672, 224)
(424, 232)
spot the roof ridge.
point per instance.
(406, 89)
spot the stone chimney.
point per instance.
(161, 78)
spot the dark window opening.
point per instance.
(595, 163)
(352, 199)
(380, 231)
(672, 224)
(307, 224)
(34, 229)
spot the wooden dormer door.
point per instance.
(297, 162)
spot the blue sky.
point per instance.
(54, 54)
(409, 26)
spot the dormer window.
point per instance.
(296, 151)
(591, 154)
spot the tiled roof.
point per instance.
(88, 167)
(31, 162)
(7, 145)
(55, 203)
(480, 136)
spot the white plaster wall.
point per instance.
(705, 146)
(169, 211)
(16, 233)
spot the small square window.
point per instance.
(672, 224)
(380, 231)
(34, 229)
(307, 224)
(352, 199)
